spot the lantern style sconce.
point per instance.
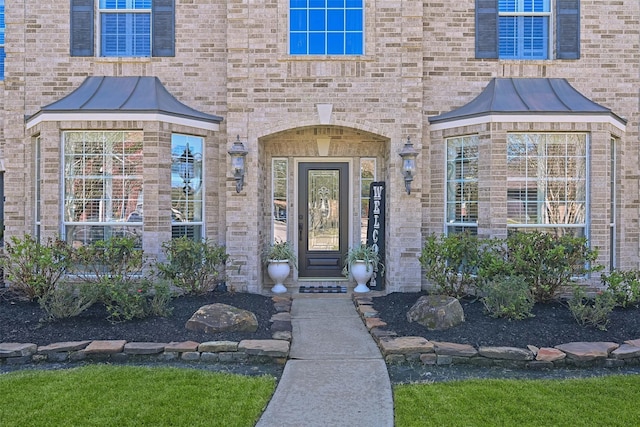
(189, 168)
(238, 152)
(408, 155)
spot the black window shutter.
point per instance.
(81, 28)
(486, 28)
(164, 27)
(568, 29)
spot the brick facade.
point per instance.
(231, 61)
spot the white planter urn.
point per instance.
(361, 272)
(278, 270)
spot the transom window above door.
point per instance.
(326, 27)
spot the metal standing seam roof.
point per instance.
(128, 95)
(534, 96)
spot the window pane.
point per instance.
(298, 43)
(186, 184)
(335, 44)
(462, 180)
(546, 180)
(102, 184)
(280, 191)
(332, 27)
(123, 33)
(335, 20)
(317, 44)
(298, 20)
(317, 20)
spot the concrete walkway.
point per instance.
(336, 375)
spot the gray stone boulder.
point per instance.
(215, 318)
(436, 312)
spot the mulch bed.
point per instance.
(553, 324)
(21, 322)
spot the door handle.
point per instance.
(300, 227)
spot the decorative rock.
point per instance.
(436, 312)
(218, 346)
(57, 357)
(533, 349)
(61, 347)
(505, 353)
(217, 317)
(633, 342)
(587, 351)
(143, 348)
(613, 363)
(626, 351)
(181, 347)
(406, 345)
(428, 358)
(444, 360)
(12, 349)
(367, 311)
(454, 349)
(190, 356)
(273, 348)
(380, 333)
(105, 347)
(209, 357)
(282, 335)
(547, 354)
(281, 317)
(374, 322)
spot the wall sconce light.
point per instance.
(238, 152)
(408, 155)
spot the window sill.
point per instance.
(325, 58)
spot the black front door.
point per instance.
(323, 218)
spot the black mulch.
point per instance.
(553, 324)
(21, 322)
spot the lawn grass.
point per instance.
(610, 401)
(102, 395)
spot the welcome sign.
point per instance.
(376, 231)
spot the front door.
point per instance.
(323, 218)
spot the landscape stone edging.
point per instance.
(400, 350)
(275, 350)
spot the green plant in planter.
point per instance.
(280, 250)
(365, 253)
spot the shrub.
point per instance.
(116, 259)
(508, 297)
(548, 262)
(195, 267)
(594, 311)
(68, 300)
(624, 285)
(115, 268)
(451, 262)
(33, 269)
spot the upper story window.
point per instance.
(528, 29)
(125, 27)
(326, 27)
(133, 28)
(523, 29)
(2, 26)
